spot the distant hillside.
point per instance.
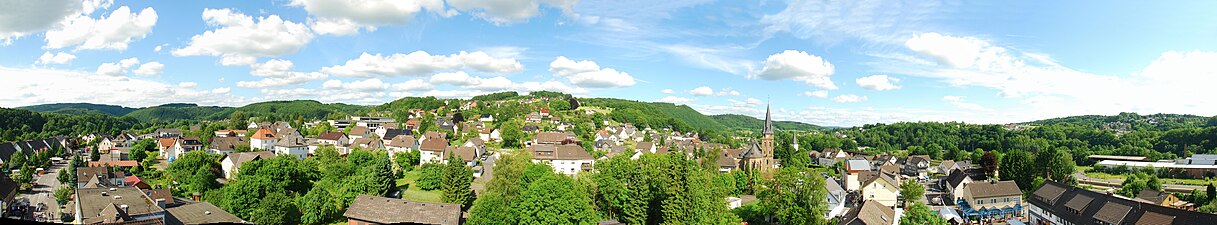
(682, 117)
(308, 109)
(1131, 121)
(80, 108)
(175, 111)
(752, 123)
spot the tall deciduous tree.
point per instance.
(317, 207)
(911, 191)
(795, 196)
(554, 199)
(920, 214)
(277, 208)
(1020, 167)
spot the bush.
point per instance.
(431, 178)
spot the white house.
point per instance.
(880, 188)
(333, 138)
(184, 145)
(293, 146)
(232, 162)
(263, 139)
(488, 134)
(401, 144)
(565, 159)
(836, 198)
(432, 150)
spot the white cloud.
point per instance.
(117, 69)
(21, 18)
(57, 58)
(588, 74)
(346, 17)
(816, 94)
(958, 101)
(675, 100)
(188, 84)
(150, 69)
(958, 52)
(412, 85)
(849, 98)
(867, 20)
(239, 40)
(509, 11)
(798, 66)
(714, 58)
(420, 63)
(878, 82)
(40, 86)
(702, 91)
(551, 86)
(278, 73)
(727, 92)
(369, 85)
(667, 91)
(114, 32)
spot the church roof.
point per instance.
(768, 122)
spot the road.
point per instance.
(479, 183)
(44, 191)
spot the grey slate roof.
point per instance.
(200, 213)
(387, 210)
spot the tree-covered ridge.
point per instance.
(309, 109)
(736, 121)
(20, 124)
(1132, 121)
(177, 111)
(80, 108)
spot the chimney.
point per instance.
(123, 207)
(195, 196)
(104, 194)
(160, 202)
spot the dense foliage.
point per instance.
(80, 108)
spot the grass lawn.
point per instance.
(414, 193)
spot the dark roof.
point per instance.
(956, 177)
(8, 189)
(200, 213)
(239, 158)
(94, 201)
(228, 143)
(1110, 209)
(392, 133)
(332, 136)
(387, 210)
(1153, 195)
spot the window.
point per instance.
(978, 202)
(1007, 200)
(993, 200)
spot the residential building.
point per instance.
(565, 159)
(991, 200)
(184, 145)
(333, 139)
(225, 145)
(200, 213)
(1163, 198)
(1059, 204)
(954, 184)
(489, 134)
(836, 198)
(292, 145)
(486, 118)
(116, 205)
(432, 150)
(871, 213)
(98, 177)
(853, 168)
(167, 133)
(8, 193)
(371, 122)
(401, 144)
(263, 139)
(231, 163)
(916, 166)
(365, 210)
(879, 187)
(467, 154)
(359, 132)
(367, 144)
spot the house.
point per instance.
(432, 150)
(954, 184)
(878, 187)
(359, 132)
(232, 162)
(367, 144)
(230, 133)
(1163, 198)
(401, 144)
(292, 145)
(135, 181)
(8, 192)
(225, 145)
(551, 138)
(565, 159)
(371, 122)
(163, 145)
(106, 143)
(530, 128)
(916, 166)
(183, 146)
(486, 118)
(533, 117)
(98, 177)
(333, 138)
(477, 144)
(121, 164)
(263, 139)
(996, 199)
(871, 213)
(946, 166)
(1059, 204)
(412, 124)
(340, 124)
(200, 213)
(727, 160)
(645, 146)
(489, 134)
(116, 205)
(387, 134)
(167, 133)
(380, 210)
(836, 198)
(853, 168)
(273, 127)
(467, 154)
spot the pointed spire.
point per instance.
(768, 121)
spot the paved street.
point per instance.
(487, 173)
(44, 192)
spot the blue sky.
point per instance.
(838, 63)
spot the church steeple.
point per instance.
(795, 142)
(768, 122)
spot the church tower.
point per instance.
(767, 141)
(795, 142)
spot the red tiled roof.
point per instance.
(263, 134)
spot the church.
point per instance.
(759, 156)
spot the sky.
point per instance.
(833, 63)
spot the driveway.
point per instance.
(479, 183)
(44, 192)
